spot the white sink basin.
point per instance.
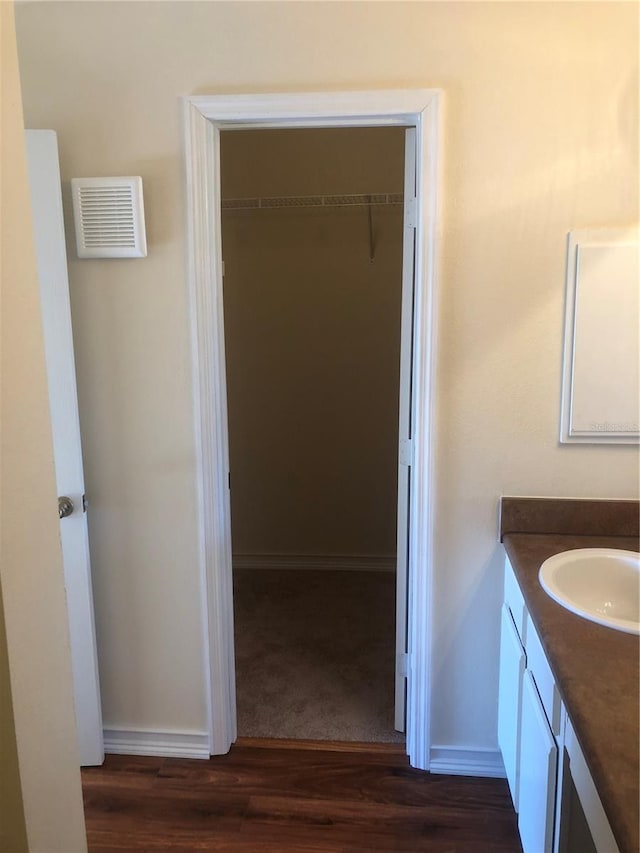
(600, 584)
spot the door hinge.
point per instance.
(85, 503)
(402, 664)
(405, 451)
(411, 212)
(229, 480)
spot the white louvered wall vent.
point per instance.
(109, 217)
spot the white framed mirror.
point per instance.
(601, 366)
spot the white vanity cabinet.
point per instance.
(512, 666)
(557, 804)
(525, 734)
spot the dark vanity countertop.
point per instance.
(597, 672)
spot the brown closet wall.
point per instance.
(312, 330)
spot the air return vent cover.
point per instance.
(109, 217)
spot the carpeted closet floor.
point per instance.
(315, 653)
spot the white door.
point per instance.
(405, 433)
(46, 203)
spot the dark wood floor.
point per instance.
(295, 796)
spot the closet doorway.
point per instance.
(205, 117)
(312, 241)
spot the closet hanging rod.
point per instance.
(274, 203)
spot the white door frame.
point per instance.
(205, 116)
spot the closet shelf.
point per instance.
(312, 201)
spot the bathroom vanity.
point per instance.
(569, 688)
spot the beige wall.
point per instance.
(312, 332)
(540, 136)
(42, 734)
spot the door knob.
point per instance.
(65, 506)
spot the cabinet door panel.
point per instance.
(538, 764)
(512, 662)
(587, 794)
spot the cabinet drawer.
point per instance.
(539, 667)
(514, 600)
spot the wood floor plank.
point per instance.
(273, 800)
(375, 826)
(369, 778)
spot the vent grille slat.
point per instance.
(90, 204)
(109, 211)
(114, 236)
(108, 223)
(111, 243)
(109, 217)
(108, 226)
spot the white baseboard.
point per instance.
(453, 760)
(459, 761)
(166, 744)
(318, 562)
